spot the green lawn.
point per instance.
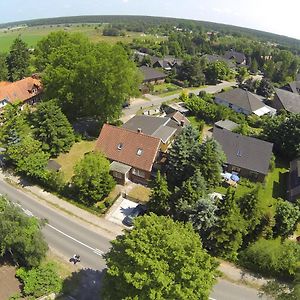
(31, 35)
(69, 160)
(274, 187)
(166, 89)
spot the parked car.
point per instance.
(139, 210)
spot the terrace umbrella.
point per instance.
(235, 178)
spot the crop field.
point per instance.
(31, 35)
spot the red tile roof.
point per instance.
(20, 90)
(122, 145)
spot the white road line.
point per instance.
(212, 298)
(96, 251)
(28, 212)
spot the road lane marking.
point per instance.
(96, 251)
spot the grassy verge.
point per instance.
(141, 193)
(70, 159)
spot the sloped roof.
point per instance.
(290, 101)
(164, 133)
(226, 124)
(151, 74)
(214, 57)
(237, 56)
(179, 118)
(123, 145)
(148, 124)
(294, 179)
(20, 90)
(242, 98)
(244, 151)
(295, 86)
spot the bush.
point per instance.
(272, 258)
(40, 281)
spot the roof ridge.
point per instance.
(132, 131)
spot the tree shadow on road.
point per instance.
(83, 284)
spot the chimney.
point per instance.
(139, 130)
(182, 123)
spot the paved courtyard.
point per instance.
(121, 208)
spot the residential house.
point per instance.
(210, 58)
(294, 180)
(286, 100)
(152, 76)
(243, 101)
(248, 156)
(27, 91)
(167, 62)
(293, 87)
(164, 128)
(238, 57)
(132, 154)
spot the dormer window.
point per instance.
(139, 152)
(120, 146)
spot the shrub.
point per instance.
(272, 258)
(40, 281)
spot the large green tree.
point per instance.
(181, 155)
(28, 157)
(158, 259)
(284, 132)
(251, 207)
(87, 79)
(52, 128)
(91, 179)
(159, 201)
(216, 71)
(287, 217)
(226, 236)
(3, 68)
(186, 197)
(20, 236)
(209, 159)
(265, 88)
(18, 60)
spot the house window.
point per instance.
(139, 152)
(138, 173)
(120, 146)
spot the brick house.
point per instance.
(132, 154)
(27, 91)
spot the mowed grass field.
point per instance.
(31, 35)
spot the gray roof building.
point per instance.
(226, 124)
(214, 57)
(243, 151)
(151, 74)
(238, 57)
(161, 127)
(286, 100)
(293, 87)
(245, 100)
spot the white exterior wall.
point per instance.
(232, 106)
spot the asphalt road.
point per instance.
(67, 237)
(156, 100)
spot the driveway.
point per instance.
(121, 208)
